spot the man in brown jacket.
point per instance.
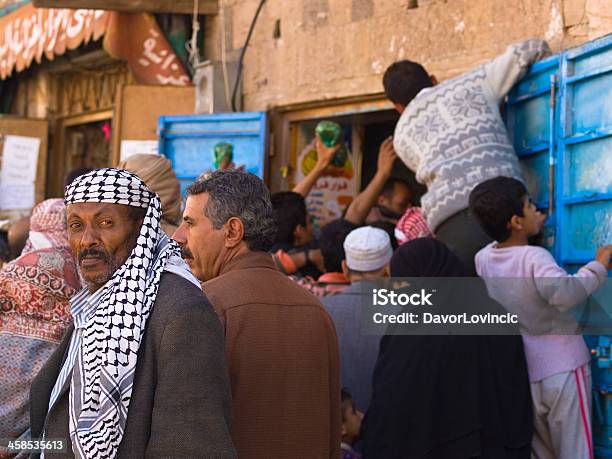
(280, 343)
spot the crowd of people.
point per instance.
(132, 326)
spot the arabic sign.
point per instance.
(29, 33)
(138, 39)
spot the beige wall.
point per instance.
(340, 48)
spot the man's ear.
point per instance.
(433, 79)
(298, 231)
(515, 223)
(234, 232)
(345, 269)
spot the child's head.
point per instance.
(503, 208)
(351, 418)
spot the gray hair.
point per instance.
(234, 193)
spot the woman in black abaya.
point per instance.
(446, 397)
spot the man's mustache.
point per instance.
(93, 253)
(185, 252)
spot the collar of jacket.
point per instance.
(249, 259)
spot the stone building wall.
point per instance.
(313, 50)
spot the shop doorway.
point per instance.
(88, 145)
(81, 141)
(363, 135)
(374, 134)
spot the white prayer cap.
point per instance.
(367, 249)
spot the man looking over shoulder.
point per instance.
(141, 372)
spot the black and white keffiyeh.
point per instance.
(111, 340)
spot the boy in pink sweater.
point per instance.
(542, 294)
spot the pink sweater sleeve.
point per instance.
(561, 289)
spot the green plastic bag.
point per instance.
(222, 151)
(331, 133)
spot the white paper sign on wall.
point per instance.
(19, 159)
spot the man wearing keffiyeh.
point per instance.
(141, 372)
